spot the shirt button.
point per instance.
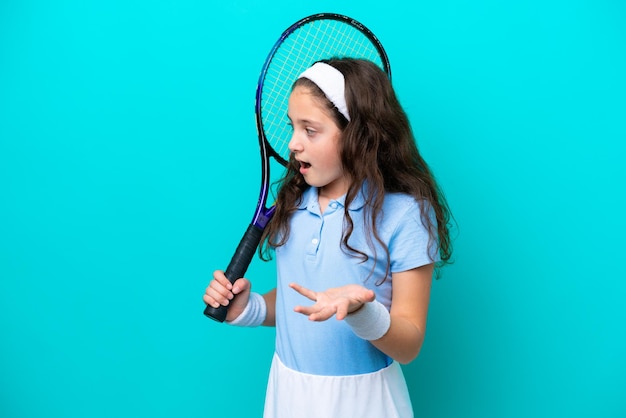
(315, 241)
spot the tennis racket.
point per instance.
(316, 37)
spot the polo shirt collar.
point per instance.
(310, 199)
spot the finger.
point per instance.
(218, 295)
(215, 302)
(304, 310)
(217, 288)
(316, 312)
(342, 312)
(307, 293)
(222, 279)
(210, 301)
(323, 314)
(240, 285)
(308, 310)
(370, 296)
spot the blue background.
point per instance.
(129, 170)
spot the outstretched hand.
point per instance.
(338, 301)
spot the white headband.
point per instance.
(331, 82)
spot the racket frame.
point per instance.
(252, 237)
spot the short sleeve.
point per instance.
(409, 244)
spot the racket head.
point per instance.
(313, 38)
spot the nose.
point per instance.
(294, 144)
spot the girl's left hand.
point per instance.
(338, 301)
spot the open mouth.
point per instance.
(304, 167)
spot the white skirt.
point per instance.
(381, 394)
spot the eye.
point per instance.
(310, 132)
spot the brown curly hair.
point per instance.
(379, 131)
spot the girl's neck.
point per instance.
(324, 198)
(332, 191)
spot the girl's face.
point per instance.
(315, 144)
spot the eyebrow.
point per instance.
(305, 121)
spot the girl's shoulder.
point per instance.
(398, 209)
(399, 202)
(404, 209)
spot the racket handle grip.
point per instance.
(238, 266)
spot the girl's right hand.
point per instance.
(221, 292)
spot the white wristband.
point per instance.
(254, 313)
(370, 322)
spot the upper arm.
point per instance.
(411, 295)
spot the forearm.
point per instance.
(403, 340)
(270, 301)
(405, 335)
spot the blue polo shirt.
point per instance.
(313, 258)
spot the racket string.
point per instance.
(316, 40)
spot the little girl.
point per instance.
(359, 226)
